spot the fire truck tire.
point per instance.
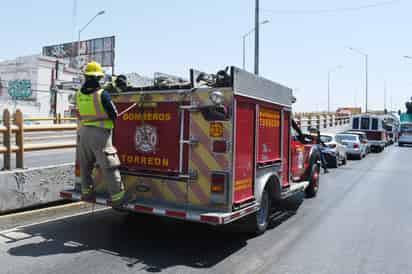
(313, 187)
(258, 222)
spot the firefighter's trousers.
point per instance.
(95, 146)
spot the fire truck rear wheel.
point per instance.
(313, 187)
(258, 222)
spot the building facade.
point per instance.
(27, 83)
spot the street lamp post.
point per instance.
(329, 74)
(257, 20)
(244, 42)
(366, 74)
(82, 29)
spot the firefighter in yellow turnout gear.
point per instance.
(97, 114)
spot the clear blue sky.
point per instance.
(297, 49)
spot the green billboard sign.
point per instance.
(20, 89)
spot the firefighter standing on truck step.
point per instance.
(97, 114)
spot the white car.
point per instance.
(405, 134)
(336, 148)
(353, 145)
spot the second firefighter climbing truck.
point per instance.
(214, 149)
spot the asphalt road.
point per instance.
(359, 223)
(46, 158)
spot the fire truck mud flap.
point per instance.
(212, 218)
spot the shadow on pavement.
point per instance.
(156, 243)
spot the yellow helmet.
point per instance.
(93, 69)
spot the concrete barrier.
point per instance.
(23, 188)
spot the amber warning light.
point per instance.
(216, 130)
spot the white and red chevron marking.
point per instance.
(209, 218)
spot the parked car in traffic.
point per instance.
(353, 145)
(363, 138)
(405, 134)
(335, 153)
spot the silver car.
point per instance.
(405, 134)
(363, 137)
(338, 149)
(353, 145)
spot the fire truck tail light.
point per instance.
(216, 130)
(218, 183)
(220, 146)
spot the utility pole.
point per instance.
(257, 38)
(367, 81)
(74, 22)
(329, 75)
(366, 74)
(328, 91)
(384, 96)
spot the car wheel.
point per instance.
(335, 163)
(400, 144)
(312, 190)
(345, 160)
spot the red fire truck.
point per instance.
(214, 149)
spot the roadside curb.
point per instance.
(44, 214)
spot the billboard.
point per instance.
(101, 50)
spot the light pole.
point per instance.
(366, 74)
(82, 29)
(329, 73)
(244, 42)
(257, 20)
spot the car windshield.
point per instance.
(326, 138)
(342, 138)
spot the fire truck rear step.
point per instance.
(201, 216)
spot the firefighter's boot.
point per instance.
(120, 199)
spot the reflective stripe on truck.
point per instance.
(189, 215)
